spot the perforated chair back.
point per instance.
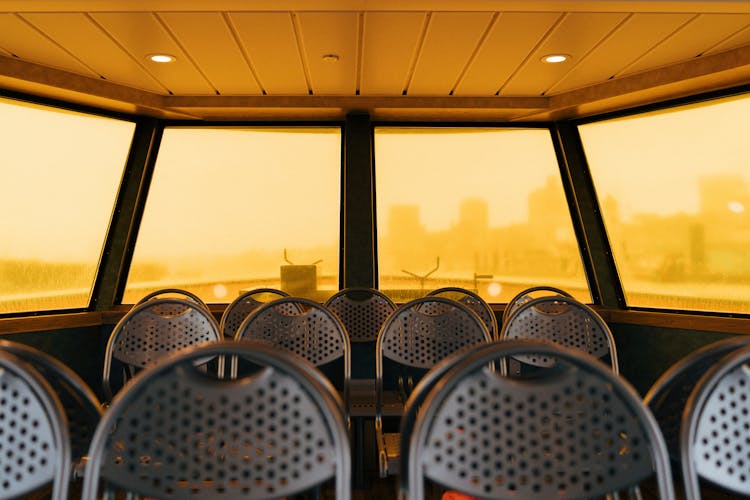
(580, 431)
(82, 408)
(422, 332)
(475, 302)
(362, 311)
(564, 321)
(242, 306)
(176, 432)
(178, 293)
(529, 294)
(302, 326)
(154, 329)
(668, 396)
(34, 441)
(715, 430)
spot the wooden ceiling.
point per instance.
(396, 59)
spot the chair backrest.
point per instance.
(422, 332)
(715, 430)
(580, 431)
(302, 326)
(668, 396)
(34, 441)
(475, 302)
(242, 306)
(531, 293)
(176, 432)
(362, 311)
(154, 329)
(82, 408)
(564, 321)
(179, 293)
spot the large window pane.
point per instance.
(674, 186)
(231, 209)
(60, 174)
(478, 208)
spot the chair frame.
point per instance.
(571, 302)
(513, 304)
(119, 329)
(478, 358)
(54, 413)
(176, 291)
(673, 382)
(310, 379)
(487, 314)
(240, 301)
(311, 304)
(691, 418)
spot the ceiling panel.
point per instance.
(625, 45)
(211, 44)
(739, 39)
(17, 37)
(576, 35)
(141, 34)
(506, 47)
(449, 44)
(271, 46)
(390, 44)
(330, 33)
(86, 41)
(701, 34)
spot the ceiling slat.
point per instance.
(628, 43)
(330, 33)
(272, 48)
(91, 45)
(212, 47)
(512, 37)
(17, 37)
(701, 34)
(451, 40)
(576, 35)
(739, 39)
(141, 34)
(390, 43)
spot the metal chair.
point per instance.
(412, 340)
(175, 432)
(174, 293)
(34, 440)
(242, 306)
(668, 395)
(562, 320)
(475, 302)
(578, 431)
(82, 408)
(531, 293)
(715, 430)
(154, 329)
(303, 327)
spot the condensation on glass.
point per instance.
(232, 209)
(476, 208)
(60, 175)
(674, 189)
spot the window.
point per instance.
(61, 171)
(231, 209)
(674, 189)
(478, 208)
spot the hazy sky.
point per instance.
(60, 175)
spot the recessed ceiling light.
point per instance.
(331, 57)
(555, 58)
(161, 58)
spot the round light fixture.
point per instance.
(555, 58)
(331, 57)
(161, 58)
